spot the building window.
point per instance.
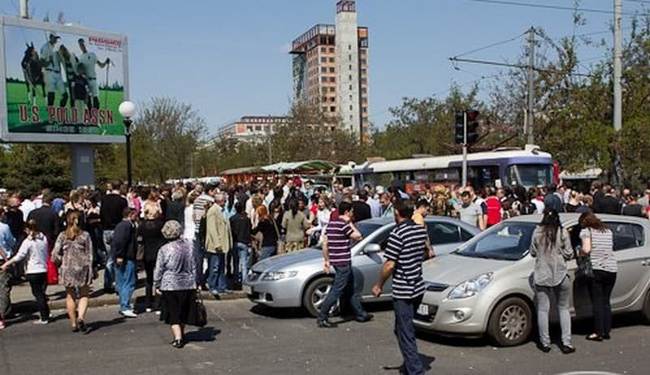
(332, 89)
(365, 110)
(323, 59)
(351, 108)
(350, 87)
(350, 97)
(332, 109)
(350, 57)
(323, 49)
(364, 90)
(258, 128)
(350, 77)
(364, 61)
(249, 128)
(323, 79)
(323, 70)
(331, 70)
(349, 47)
(350, 67)
(332, 79)
(331, 59)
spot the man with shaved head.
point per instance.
(218, 243)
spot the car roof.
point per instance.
(573, 217)
(446, 219)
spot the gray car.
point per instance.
(298, 279)
(485, 286)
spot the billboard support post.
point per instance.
(83, 164)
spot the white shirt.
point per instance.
(51, 56)
(35, 251)
(539, 205)
(188, 231)
(88, 61)
(26, 207)
(375, 207)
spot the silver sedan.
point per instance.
(298, 280)
(485, 286)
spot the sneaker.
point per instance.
(158, 312)
(148, 309)
(365, 319)
(128, 314)
(41, 322)
(325, 324)
(2, 324)
(567, 349)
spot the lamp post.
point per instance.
(127, 110)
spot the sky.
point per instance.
(229, 58)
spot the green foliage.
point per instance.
(30, 168)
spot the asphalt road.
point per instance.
(241, 339)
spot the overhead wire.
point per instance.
(548, 6)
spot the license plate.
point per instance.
(247, 289)
(423, 310)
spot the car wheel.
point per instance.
(316, 293)
(511, 322)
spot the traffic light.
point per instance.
(472, 127)
(460, 128)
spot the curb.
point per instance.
(113, 300)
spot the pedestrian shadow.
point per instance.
(454, 341)
(279, 313)
(97, 325)
(205, 334)
(56, 296)
(425, 359)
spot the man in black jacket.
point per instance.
(47, 221)
(124, 247)
(360, 208)
(240, 225)
(111, 208)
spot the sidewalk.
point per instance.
(21, 295)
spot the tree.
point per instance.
(32, 167)
(167, 133)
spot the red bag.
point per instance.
(52, 271)
(493, 210)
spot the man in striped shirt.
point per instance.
(336, 251)
(404, 256)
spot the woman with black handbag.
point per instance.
(551, 248)
(175, 277)
(598, 244)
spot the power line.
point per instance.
(490, 46)
(545, 6)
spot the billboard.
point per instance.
(61, 84)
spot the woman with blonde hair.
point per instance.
(270, 233)
(73, 252)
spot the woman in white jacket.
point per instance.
(34, 251)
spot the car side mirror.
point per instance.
(372, 248)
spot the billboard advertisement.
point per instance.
(61, 84)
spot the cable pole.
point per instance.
(618, 46)
(618, 97)
(464, 166)
(530, 114)
(24, 9)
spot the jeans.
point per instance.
(125, 281)
(562, 293)
(199, 254)
(38, 283)
(343, 282)
(109, 271)
(600, 289)
(217, 272)
(405, 331)
(5, 294)
(150, 300)
(243, 254)
(267, 252)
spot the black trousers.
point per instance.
(405, 310)
(38, 283)
(150, 300)
(600, 290)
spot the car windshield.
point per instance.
(532, 174)
(505, 241)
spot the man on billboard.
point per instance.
(52, 71)
(87, 62)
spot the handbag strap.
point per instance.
(275, 226)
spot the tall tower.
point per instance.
(347, 66)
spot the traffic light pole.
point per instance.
(464, 149)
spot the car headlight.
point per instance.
(471, 287)
(274, 276)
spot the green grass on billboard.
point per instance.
(17, 95)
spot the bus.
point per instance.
(503, 167)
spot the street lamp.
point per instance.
(127, 110)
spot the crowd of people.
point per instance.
(207, 236)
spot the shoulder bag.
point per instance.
(198, 316)
(584, 269)
(280, 249)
